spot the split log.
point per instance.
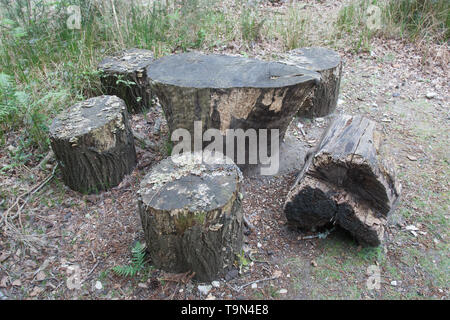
(228, 92)
(323, 99)
(94, 144)
(125, 75)
(349, 180)
(191, 215)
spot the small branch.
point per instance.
(256, 260)
(93, 268)
(256, 281)
(49, 155)
(321, 235)
(24, 198)
(239, 289)
(174, 291)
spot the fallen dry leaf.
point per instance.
(17, 283)
(4, 282)
(41, 276)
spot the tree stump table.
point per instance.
(323, 99)
(125, 75)
(228, 92)
(94, 144)
(191, 215)
(349, 180)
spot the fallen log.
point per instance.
(125, 75)
(94, 144)
(323, 99)
(191, 215)
(348, 180)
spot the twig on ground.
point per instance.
(240, 288)
(7, 221)
(256, 281)
(92, 270)
(144, 141)
(256, 260)
(174, 291)
(321, 235)
(27, 196)
(49, 155)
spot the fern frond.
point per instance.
(125, 271)
(137, 262)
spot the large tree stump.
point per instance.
(228, 92)
(323, 99)
(191, 215)
(93, 143)
(349, 180)
(125, 75)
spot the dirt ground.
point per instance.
(92, 233)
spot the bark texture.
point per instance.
(125, 75)
(227, 92)
(94, 144)
(191, 215)
(348, 180)
(323, 98)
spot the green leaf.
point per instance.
(19, 32)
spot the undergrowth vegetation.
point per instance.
(46, 66)
(414, 20)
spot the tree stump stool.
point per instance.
(349, 181)
(324, 97)
(191, 215)
(125, 75)
(228, 92)
(93, 143)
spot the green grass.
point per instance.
(46, 67)
(415, 20)
(290, 28)
(418, 19)
(251, 25)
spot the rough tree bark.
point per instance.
(348, 180)
(228, 92)
(191, 215)
(125, 75)
(94, 144)
(323, 99)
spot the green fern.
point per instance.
(136, 265)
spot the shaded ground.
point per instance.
(96, 232)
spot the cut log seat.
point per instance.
(125, 75)
(191, 215)
(228, 92)
(324, 97)
(93, 143)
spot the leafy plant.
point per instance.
(121, 79)
(243, 262)
(136, 265)
(10, 102)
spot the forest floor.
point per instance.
(72, 234)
